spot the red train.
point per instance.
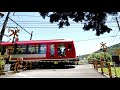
(42, 52)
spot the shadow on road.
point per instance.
(57, 67)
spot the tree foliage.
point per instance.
(101, 55)
(92, 20)
(91, 57)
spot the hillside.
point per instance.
(83, 56)
(113, 50)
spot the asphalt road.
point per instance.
(77, 71)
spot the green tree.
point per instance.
(91, 57)
(1, 61)
(92, 20)
(96, 56)
(105, 56)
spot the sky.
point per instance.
(85, 42)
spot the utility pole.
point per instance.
(4, 26)
(118, 23)
(117, 52)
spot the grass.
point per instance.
(105, 70)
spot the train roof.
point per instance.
(37, 41)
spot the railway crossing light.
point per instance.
(103, 48)
(14, 34)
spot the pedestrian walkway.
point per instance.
(87, 71)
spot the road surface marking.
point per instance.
(24, 75)
(19, 74)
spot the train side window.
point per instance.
(42, 49)
(52, 50)
(33, 49)
(21, 49)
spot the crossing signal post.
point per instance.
(14, 34)
(103, 48)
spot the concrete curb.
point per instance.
(9, 72)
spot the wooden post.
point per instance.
(30, 65)
(15, 67)
(96, 65)
(101, 63)
(109, 69)
(18, 66)
(1, 70)
(26, 65)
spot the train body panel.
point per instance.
(41, 50)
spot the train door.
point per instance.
(61, 50)
(69, 50)
(42, 50)
(51, 51)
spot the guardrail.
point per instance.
(17, 67)
(1, 70)
(101, 64)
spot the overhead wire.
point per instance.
(50, 23)
(19, 25)
(118, 27)
(117, 31)
(97, 38)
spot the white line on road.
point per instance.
(19, 74)
(24, 75)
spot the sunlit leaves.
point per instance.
(101, 55)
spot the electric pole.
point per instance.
(118, 23)
(4, 26)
